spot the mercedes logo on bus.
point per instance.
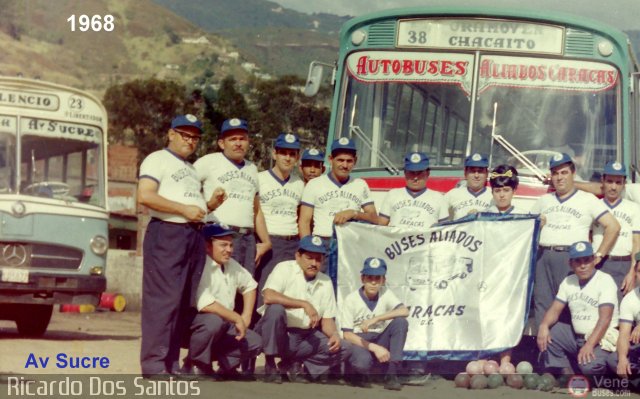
(14, 255)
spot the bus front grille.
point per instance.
(48, 256)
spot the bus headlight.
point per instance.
(99, 245)
(96, 271)
(605, 48)
(357, 37)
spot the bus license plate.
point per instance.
(15, 275)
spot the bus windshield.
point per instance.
(58, 160)
(409, 101)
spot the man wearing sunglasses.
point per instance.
(173, 248)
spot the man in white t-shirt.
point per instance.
(591, 298)
(375, 321)
(217, 331)
(280, 194)
(173, 248)
(414, 206)
(474, 197)
(238, 177)
(569, 214)
(619, 262)
(297, 321)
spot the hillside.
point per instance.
(36, 41)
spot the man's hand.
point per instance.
(217, 198)
(314, 318)
(343, 217)
(544, 338)
(586, 355)
(334, 343)
(382, 353)
(624, 368)
(635, 335)
(261, 249)
(367, 323)
(241, 328)
(193, 213)
(246, 318)
(629, 283)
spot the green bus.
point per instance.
(519, 86)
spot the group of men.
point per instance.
(268, 234)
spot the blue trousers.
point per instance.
(281, 250)
(244, 251)
(393, 338)
(617, 269)
(551, 268)
(563, 351)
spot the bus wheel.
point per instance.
(34, 319)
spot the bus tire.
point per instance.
(34, 320)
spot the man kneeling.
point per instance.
(217, 331)
(374, 321)
(298, 314)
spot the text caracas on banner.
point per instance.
(467, 284)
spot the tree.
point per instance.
(141, 111)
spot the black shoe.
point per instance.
(295, 373)
(199, 372)
(272, 375)
(360, 381)
(234, 375)
(392, 383)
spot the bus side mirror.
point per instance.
(315, 77)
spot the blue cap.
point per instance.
(313, 155)
(211, 230)
(614, 169)
(312, 243)
(343, 143)
(288, 140)
(234, 124)
(186, 120)
(416, 161)
(559, 159)
(580, 249)
(374, 267)
(476, 160)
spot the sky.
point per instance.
(623, 14)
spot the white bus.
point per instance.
(53, 200)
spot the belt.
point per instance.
(241, 230)
(612, 257)
(287, 238)
(194, 225)
(556, 248)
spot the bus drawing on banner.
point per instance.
(519, 87)
(53, 214)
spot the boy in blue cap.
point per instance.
(374, 320)
(591, 298)
(619, 262)
(311, 164)
(414, 205)
(474, 197)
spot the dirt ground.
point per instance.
(117, 336)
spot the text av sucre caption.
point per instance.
(95, 23)
(65, 361)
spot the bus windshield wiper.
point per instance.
(355, 129)
(512, 149)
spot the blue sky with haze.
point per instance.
(624, 14)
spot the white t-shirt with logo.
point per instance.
(357, 308)
(568, 220)
(221, 286)
(628, 215)
(420, 209)
(584, 301)
(279, 201)
(177, 181)
(240, 183)
(328, 197)
(288, 279)
(630, 307)
(461, 201)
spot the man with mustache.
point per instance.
(474, 197)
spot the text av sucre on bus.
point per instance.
(83, 386)
(39, 125)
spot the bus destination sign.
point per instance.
(24, 99)
(481, 34)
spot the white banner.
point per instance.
(466, 284)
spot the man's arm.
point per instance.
(227, 315)
(400, 311)
(381, 353)
(249, 301)
(329, 329)
(622, 346)
(304, 221)
(273, 297)
(149, 197)
(629, 282)
(586, 355)
(261, 230)
(550, 318)
(368, 214)
(590, 187)
(611, 231)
